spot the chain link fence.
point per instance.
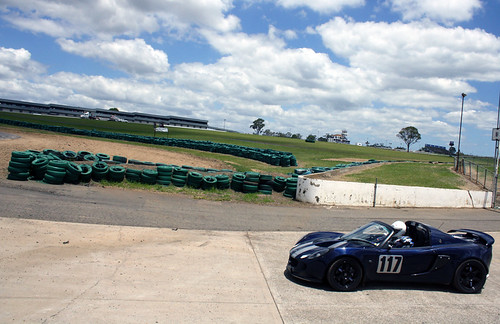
(481, 172)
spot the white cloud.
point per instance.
(17, 64)
(106, 19)
(321, 6)
(424, 63)
(260, 68)
(445, 11)
(132, 56)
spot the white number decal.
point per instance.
(389, 263)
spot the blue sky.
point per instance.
(308, 67)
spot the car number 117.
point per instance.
(389, 263)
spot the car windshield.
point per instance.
(374, 233)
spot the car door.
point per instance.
(399, 263)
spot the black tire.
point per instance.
(470, 277)
(345, 274)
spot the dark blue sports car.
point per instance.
(375, 252)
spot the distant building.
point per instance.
(429, 148)
(105, 114)
(338, 138)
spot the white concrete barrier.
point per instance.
(342, 193)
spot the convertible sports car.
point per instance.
(374, 252)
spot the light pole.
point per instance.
(460, 132)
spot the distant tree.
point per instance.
(311, 137)
(268, 132)
(409, 135)
(298, 136)
(258, 125)
(114, 109)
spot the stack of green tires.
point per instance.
(133, 175)
(164, 174)
(69, 155)
(86, 174)
(237, 182)
(148, 176)
(39, 167)
(116, 173)
(20, 165)
(291, 187)
(279, 184)
(56, 172)
(266, 184)
(73, 173)
(251, 183)
(222, 181)
(119, 159)
(99, 171)
(80, 156)
(194, 179)
(208, 183)
(103, 157)
(179, 177)
(90, 158)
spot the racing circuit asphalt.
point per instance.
(77, 254)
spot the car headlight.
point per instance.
(315, 255)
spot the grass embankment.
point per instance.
(307, 154)
(411, 174)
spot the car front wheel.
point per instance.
(345, 274)
(470, 277)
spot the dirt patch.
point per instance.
(36, 141)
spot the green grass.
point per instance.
(411, 174)
(308, 154)
(212, 194)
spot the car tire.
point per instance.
(345, 274)
(470, 277)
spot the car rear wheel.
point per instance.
(345, 274)
(470, 277)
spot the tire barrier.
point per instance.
(133, 175)
(208, 183)
(56, 172)
(291, 188)
(73, 173)
(222, 181)
(194, 180)
(179, 177)
(269, 156)
(164, 174)
(39, 167)
(69, 155)
(279, 184)
(20, 165)
(116, 173)
(149, 176)
(237, 182)
(54, 167)
(86, 174)
(99, 171)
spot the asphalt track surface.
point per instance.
(110, 206)
(160, 258)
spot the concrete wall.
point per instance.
(341, 193)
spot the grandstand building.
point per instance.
(26, 107)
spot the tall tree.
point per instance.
(258, 125)
(409, 135)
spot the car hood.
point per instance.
(316, 242)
